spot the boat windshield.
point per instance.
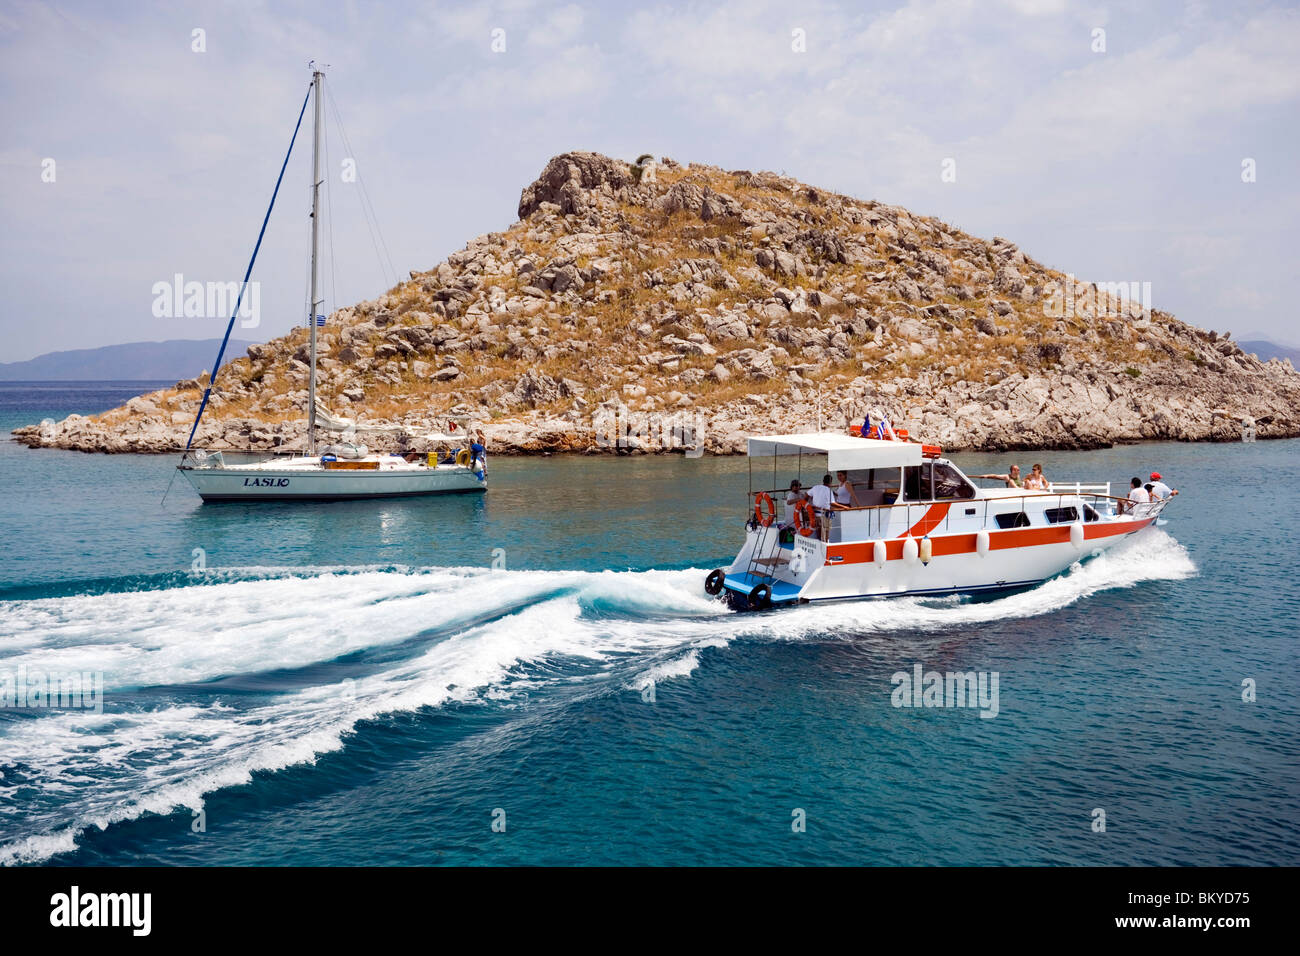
(936, 481)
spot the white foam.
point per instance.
(682, 666)
(1151, 556)
(191, 634)
(621, 630)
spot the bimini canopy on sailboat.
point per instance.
(454, 462)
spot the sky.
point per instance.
(1154, 141)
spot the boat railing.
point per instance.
(1080, 487)
(881, 518)
(765, 560)
(199, 458)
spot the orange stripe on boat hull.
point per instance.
(932, 518)
(949, 544)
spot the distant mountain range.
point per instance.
(135, 361)
(1268, 350)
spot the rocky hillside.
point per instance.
(651, 302)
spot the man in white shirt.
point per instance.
(1137, 495)
(1159, 490)
(821, 497)
(795, 495)
(821, 494)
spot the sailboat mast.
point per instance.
(315, 238)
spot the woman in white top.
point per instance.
(1037, 481)
(845, 496)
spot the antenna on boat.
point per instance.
(316, 77)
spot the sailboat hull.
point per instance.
(343, 473)
(298, 484)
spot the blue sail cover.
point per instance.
(207, 392)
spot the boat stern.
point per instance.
(774, 568)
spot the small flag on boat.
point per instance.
(320, 320)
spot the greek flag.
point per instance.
(320, 320)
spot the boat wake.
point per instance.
(206, 684)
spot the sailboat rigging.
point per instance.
(345, 470)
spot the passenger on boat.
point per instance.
(1159, 490)
(1012, 477)
(845, 496)
(795, 495)
(822, 499)
(821, 495)
(1037, 481)
(1137, 495)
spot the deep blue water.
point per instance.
(354, 684)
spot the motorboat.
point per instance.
(917, 525)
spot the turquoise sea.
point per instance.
(536, 676)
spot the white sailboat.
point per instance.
(343, 470)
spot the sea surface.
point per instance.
(536, 676)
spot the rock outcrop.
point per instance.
(570, 179)
(697, 306)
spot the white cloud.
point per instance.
(1104, 164)
(560, 28)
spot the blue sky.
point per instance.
(1116, 165)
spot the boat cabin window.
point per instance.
(950, 484)
(935, 481)
(1012, 519)
(916, 483)
(1062, 515)
(873, 486)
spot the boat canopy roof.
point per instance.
(843, 452)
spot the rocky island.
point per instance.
(648, 306)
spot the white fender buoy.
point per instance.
(982, 543)
(926, 550)
(911, 551)
(1076, 535)
(880, 553)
